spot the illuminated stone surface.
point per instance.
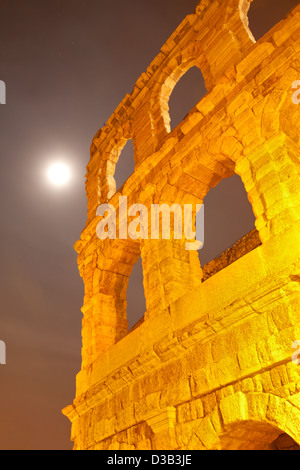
(210, 367)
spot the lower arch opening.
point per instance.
(251, 435)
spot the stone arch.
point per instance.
(187, 93)
(109, 153)
(227, 211)
(259, 413)
(250, 435)
(270, 167)
(231, 15)
(188, 183)
(244, 7)
(200, 171)
(237, 13)
(176, 66)
(107, 181)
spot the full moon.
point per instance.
(59, 174)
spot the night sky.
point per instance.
(67, 64)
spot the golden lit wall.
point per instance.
(210, 367)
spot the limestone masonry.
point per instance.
(210, 366)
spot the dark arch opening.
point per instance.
(187, 93)
(228, 218)
(136, 303)
(253, 435)
(125, 164)
(263, 15)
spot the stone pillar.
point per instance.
(105, 268)
(271, 175)
(163, 426)
(170, 270)
(144, 135)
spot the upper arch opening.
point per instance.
(125, 164)
(187, 93)
(180, 94)
(229, 226)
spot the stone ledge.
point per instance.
(243, 246)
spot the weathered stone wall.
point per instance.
(210, 366)
(247, 243)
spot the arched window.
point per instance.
(187, 93)
(136, 304)
(264, 15)
(228, 218)
(125, 165)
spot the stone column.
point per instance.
(170, 270)
(271, 175)
(163, 426)
(105, 267)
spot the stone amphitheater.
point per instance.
(210, 365)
